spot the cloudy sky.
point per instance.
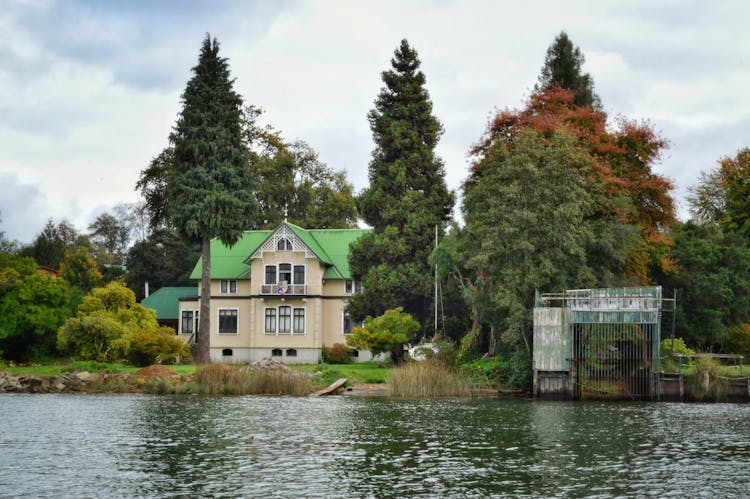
(90, 90)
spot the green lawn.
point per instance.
(54, 368)
(362, 372)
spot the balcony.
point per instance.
(291, 290)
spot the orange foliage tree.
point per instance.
(621, 177)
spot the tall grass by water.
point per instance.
(221, 379)
(430, 378)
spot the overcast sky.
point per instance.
(89, 91)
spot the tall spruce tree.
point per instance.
(562, 67)
(211, 193)
(406, 199)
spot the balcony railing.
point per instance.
(290, 290)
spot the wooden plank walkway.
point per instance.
(332, 388)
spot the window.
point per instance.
(186, 324)
(285, 273)
(270, 274)
(299, 274)
(270, 323)
(284, 245)
(227, 352)
(285, 320)
(228, 320)
(276, 352)
(299, 321)
(353, 287)
(228, 286)
(347, 323)
(291, 352)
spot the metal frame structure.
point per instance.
(607, 340)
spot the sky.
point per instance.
(90, 90)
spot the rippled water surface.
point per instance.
(148, 446)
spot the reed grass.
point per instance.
(427, 379)
(707, 383)
(220, 379)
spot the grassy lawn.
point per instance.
(362, 372)
(54, 368)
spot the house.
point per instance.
(277, 294)
(47, 271)
(165, 302)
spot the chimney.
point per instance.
(146, 286)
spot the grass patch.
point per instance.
(429, 378)
(58, 367)
(359, 373)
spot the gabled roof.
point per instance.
(330, 246)
(165, 301)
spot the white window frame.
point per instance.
(225, 286)
(352, 287)
(278, 273)
(193, 319)
(291, 318)
(218, 321)
(275, 320)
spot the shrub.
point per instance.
(674, 345)
(383, 333)
(338, 353)
(738, 340)
(157, 346)
(429, 378)
(487, 372)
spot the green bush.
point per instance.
(674, 345)
(492, 372)
(338, 353)
(157, 346)
(706, 384)
(738, 340)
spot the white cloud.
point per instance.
(89, 91)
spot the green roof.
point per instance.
(166, 301)
(331, 246)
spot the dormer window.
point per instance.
(284, 244)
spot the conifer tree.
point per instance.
(406, 199)
(211, 192)
(562, 67)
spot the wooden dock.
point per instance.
(331, 389)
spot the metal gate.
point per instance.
(616, 334)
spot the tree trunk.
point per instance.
(202, 351)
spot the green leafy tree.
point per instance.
(106, 324)
(712, 282)
(162, 259)
(722, 195)
(406, 199)
(294, 181)
(212, 191)
(527, 228)
(111, 234)
(79, 269)
(386, 333)
(562, 68)
(32, 307)
(152, 185)
(157, 346)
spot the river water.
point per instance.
(188, 446)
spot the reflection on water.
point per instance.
(144, 446)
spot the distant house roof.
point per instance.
(331, 246)
(166, 301)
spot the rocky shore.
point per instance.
(86, 382)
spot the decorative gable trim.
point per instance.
(283, 232)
